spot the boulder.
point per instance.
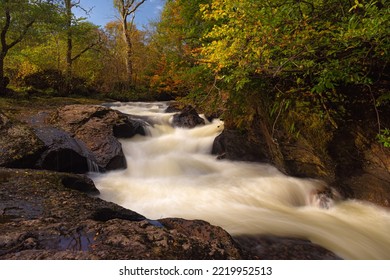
(44, 215)
(233, 145)
(98, 128)
(19, 146)
(362, 165)
(303, 160)
(213, 241)
(187, 118)
(63, 153)
(266, 247)
(173, 107)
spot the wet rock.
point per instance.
(362, 165)
(217, 243)
(19, 146)
(143, 240)
(348, 158)
(282, 248)
(62, 152)
(188, 118)
(232, 145)
(98, 127)
(80, 183)
(173, 108)
(44, 217)
(129, 128)
(105, 214)
(302, 160)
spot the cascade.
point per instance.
(92, 166)
(171, 173)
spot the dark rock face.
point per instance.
(220, 244)
(79, 183)
(19, 146)
(75, 139)
(43, 216)
(232, 145)
(302, 160)
(173, 108)
(128, 128)
(98, 128)
(63, 153)
(353, 163)
(362, 166)
(279, 248)
(188, 118)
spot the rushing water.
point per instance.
(172, 174)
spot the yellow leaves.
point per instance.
(26, 68)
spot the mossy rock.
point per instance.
(19, 146)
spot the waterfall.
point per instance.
(171, 173)
(92, 166)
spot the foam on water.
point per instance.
(172, 174)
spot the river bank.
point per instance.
(302, 248)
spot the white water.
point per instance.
(172, 174)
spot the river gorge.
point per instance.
(171, 173)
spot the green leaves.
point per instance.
(384, 137)
(319, 45)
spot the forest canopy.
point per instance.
(246, 58)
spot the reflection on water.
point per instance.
(172, 174)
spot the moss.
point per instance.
(310, 129)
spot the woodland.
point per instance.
(302, 85)
(299, 66)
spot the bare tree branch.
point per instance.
(87, 48)
(127, 8)
(21, 36)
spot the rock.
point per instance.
(98, 127)
(283, 248)
(187, 118)
(302, 160)
(43, 216)
(217, 243)
(362, 165)
(19, 146)
(347, 158)
(173, 108)
(80, 183)
(62, 152)
(232, 145)
(128, 128)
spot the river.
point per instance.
(171, 173)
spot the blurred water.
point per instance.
(172, 174)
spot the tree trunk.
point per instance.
(4, 49)
(127, 8)
(69, 61)
(129, 52)
(3, 80)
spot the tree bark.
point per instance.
(129, 51)
(127, 9)
(69, 61)
(4, 48)
(3, 80)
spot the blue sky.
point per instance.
(103, 11)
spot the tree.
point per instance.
(16, 22)
(177, 39)
(127, 9)
(114, 77)
(71, 21)
(308, 51)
